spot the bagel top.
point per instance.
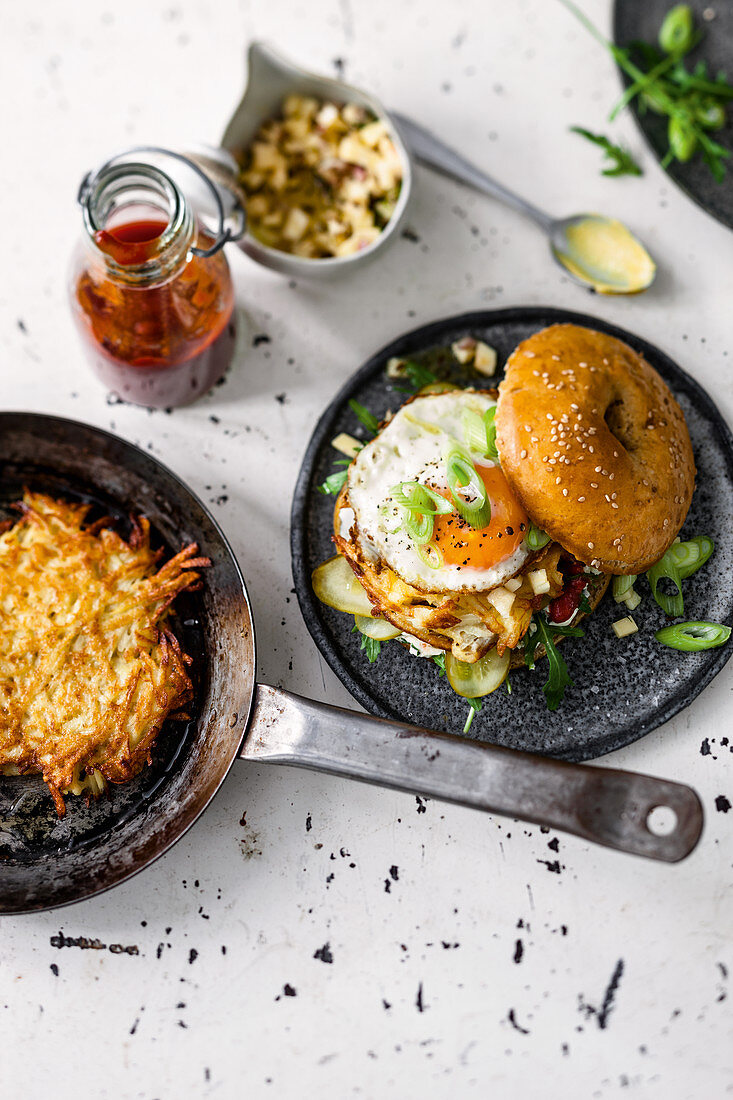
(595, 447)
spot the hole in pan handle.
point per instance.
(603, 805)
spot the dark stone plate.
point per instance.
(632, 21)
(622, 689)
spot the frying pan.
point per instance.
(47, 862)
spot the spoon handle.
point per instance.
(430, 151)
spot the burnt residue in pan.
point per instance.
(29, 825)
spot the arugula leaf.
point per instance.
(333, 484)
(584, 605)
(440, 662)
(559, 677)
(368, 419)
(621, 161)
(371, 646)
(529, 644)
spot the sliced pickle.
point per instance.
(481, 678)
(379, 629)
(336, 585)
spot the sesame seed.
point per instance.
(607, 497)
(614, 504)
(594, 484)
(530, 354)
(558, 480)
(611, 477)
(550, 416)
(598, 469)
(527, 428)
(580, 500)
(582, 364)
(591, 546)
(590, 448)
(564, 492)
(556, 358)
(522, 454)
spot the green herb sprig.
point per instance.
(559, 677)
(371, 646)
(693, 102)
(621, 162)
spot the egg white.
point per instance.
(406, 451)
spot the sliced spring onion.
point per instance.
(378, 629)
(419, 526)
(474, 431)
(689, 556)
(430, 554)
(622, 586)
(473, 681)
(479, 432)
(489, 421)
(632, 599)
(693, 637)
(364, 416)
(333, 484)
(336, 585)
(420, 498)
(467, 489)
(666, 568)
(536, 538)
(474, 706)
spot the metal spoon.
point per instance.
(605, 278)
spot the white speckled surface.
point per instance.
(310, 936)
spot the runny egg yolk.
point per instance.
(461, 544)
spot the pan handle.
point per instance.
(604, 805)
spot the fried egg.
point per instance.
(412, 447)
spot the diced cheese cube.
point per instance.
(465, 349)
(395, 367)
(623, 627)
(346, 444)
(484, 359)
(538, 580)
(501, 599)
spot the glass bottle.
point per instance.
(156, 314)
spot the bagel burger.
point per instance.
(479, 527)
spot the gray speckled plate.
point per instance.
(622, 689)
(635, 21)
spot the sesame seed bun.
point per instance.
(595, 447)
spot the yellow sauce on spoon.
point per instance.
(603, 253)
